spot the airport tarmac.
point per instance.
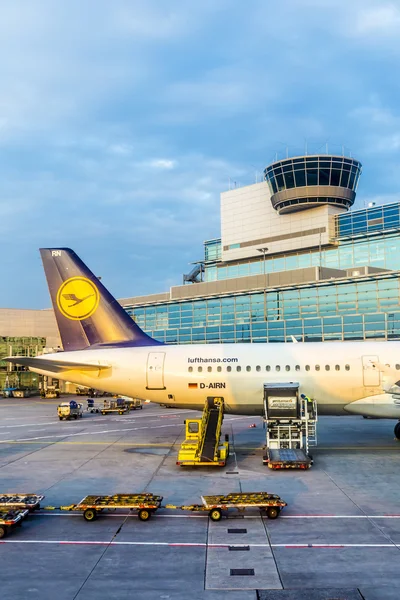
(338, 538)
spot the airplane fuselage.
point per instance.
(336, 374)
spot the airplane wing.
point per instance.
(54, 365)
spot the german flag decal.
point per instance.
(192, 386)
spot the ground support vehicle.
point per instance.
(93, 407)
(270, 503)
(291, 424)
(23, 392)
(69, 410)
(202, 445)
(10, 518)
(134, 403)
(91, 506)
(28, 501)
(287, 458)
(115, 405)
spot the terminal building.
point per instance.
(293, 262)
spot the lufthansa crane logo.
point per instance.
(78, 298)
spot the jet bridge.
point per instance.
(291, 426)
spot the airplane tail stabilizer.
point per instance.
(87, 314)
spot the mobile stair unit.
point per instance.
(202, 440)
(291, 424)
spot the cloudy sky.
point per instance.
(121, 122)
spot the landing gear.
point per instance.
(397, 431)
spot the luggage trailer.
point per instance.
(91, 506)
(271, 504)
(30, 502)
(10, 518)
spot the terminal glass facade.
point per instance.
(368, 221)
(19, 376)
(354, 310)
(380, 251)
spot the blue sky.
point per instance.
(121, 122)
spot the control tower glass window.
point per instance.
(313, 180)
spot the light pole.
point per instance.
(264, 252)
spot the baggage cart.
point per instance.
(91, 506)
(270, 503)
(10, 518)
(29, 501)
(287, 458)
(115, 405)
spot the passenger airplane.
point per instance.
(104, 348)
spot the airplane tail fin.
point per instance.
(87, 314)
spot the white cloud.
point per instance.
(380, 20)
(162, 163)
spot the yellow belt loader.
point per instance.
(202, 443)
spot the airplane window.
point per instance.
(297, 367)
(397, 367)
(327, 368)
(248, 368)
(229, 369)
(190, 369)
(238, 368)
(287, 368)
(317, 367)
(347, 367)
(267, 368)
(219, 369)
(209, 369)
(337, 367)
(258, 368)
(307, 367)
(277, 368)
(199, 369)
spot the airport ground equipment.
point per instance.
(214, 505)
(10, 518)
(91, 506)
(134, 403)
(70, 410)
(115, 405)
(202, 438)
(29, 501)
(291, 424)
(93, 407)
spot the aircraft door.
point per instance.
(371, 373)
(155, 371)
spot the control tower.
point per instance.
(304, 182)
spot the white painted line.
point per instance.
(68, 435)
(205, 516)
(194, 544)
(339, 517)
(28, 425)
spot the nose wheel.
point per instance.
(397, 431)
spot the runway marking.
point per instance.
(194, 544)
(205, 516)
(340, 517)
(95, 443)
(67, 435)
(28, 425)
